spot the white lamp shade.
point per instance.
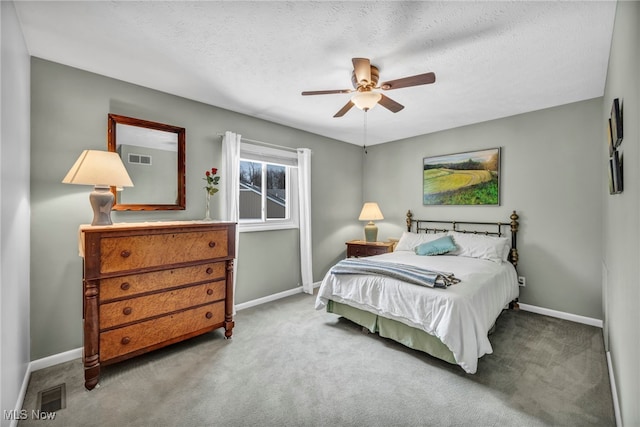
(370, 212)
(100, 168)
(366, 100)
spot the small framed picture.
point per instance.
(612, 188)
(616, 170)
(610, 139)
(616, 122)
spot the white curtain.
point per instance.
(304, 199)
(231, 188)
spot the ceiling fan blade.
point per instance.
(390, 104)
(344, 109)
(420, 79)
(326, 92)
(362, 69)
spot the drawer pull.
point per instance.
(212, 244)
(209, 270)
(125, 286)
(127, 311)
(209, 315)
(125, 340)
(125, 254)
(209, 291)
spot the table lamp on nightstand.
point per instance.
(102, 169)
(370, 212)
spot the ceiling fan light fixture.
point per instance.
(364, 79)
(366, 100)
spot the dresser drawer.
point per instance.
(360, 248)
(132, 252)
(376, 250)
(131, 285)
(130, 310)
(364, 251)
(357, 251)
(121, 341)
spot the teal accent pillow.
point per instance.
(436, 247)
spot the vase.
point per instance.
(207, 213)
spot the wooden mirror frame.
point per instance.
(113, 120)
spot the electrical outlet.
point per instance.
(522, 281)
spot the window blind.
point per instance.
(268, 154)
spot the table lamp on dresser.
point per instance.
(102, 169)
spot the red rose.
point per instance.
(207, 173)
(214, 171)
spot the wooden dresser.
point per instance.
(149, 285)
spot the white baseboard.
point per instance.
(21, 395)
(273, 297)
(55, 359)
(268, 298)
(614, 391)
(562, 315)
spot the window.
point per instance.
(268, 188)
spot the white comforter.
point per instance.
(460, 315)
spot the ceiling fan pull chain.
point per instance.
(364, 146)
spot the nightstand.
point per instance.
(360, 248)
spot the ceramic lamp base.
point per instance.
(101, 200)
(370, 232)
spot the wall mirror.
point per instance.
(154, 155)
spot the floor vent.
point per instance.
(52, 399)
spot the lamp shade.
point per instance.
(370, 212)
(100, 168)
(366, 100)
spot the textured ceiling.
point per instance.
(491, 59)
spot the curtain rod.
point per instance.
(253, 141)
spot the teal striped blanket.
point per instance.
(405, 272)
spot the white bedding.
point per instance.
(460, 315)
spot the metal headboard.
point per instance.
(472, 227)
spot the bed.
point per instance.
(469, 278)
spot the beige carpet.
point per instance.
(289, 365)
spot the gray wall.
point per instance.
(69, 114)
(621, 230)
(14, 209)
(551, 163)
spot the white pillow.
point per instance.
(409, 241)
(492, 248)
(507, 251)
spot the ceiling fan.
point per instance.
(365, 79)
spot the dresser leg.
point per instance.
(228, 303)
(91, 371)
(228, 328)
(91, 356)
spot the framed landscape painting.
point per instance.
(471, 178)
